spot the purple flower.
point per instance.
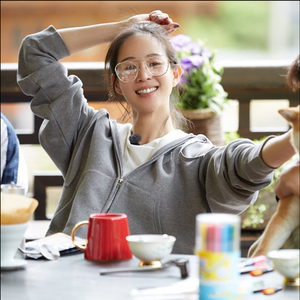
(183, 79)
(206, 52)
(186, 64)
(193, 48)
(197, 61)
(179, 41)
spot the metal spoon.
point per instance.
(49, 252)
(182, 263)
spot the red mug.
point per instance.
(106, 237)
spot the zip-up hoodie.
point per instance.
(186, 177)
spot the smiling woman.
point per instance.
(146, 71)
(161, 184)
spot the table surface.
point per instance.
(73, 277)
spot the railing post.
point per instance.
(40, 194)
(244, 118)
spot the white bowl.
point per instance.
(11, 238)
(151, 247)
(286, 262)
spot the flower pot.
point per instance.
(205, 121)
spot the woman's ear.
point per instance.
(177, 72)
(116, 84)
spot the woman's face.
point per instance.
(146, 93)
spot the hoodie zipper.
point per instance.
(120, 181)
(111, 198)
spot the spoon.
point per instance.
(182, 263)
(47, 251)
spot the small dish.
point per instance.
(13, 264)
(286, 262)
(151, 248)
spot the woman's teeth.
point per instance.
(146, 91)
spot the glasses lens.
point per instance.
(157, 65)
(126, 71)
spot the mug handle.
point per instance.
(83, 223)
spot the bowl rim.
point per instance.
(14, 225)
(272, 253)
(161, 238)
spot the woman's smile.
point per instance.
(146, 91)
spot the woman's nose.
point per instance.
(143, 73)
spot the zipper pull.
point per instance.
(120, 182)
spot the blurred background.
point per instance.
(251, 33)
(240, 30)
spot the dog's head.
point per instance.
(292, 115)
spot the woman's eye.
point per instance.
(154, 63)
(130, 67)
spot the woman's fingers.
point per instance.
(157, 16)
(171, 27)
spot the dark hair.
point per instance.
(111, 60)
(293, 75)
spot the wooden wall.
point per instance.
(20, 18)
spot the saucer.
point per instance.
(13, 264)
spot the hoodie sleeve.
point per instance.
(238, 172)
(57, 97)
(229, 177)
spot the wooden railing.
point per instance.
(243, 83)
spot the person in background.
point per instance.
(288, 182)
(13, 165)
(163, 177)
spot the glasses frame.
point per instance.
(138, 67)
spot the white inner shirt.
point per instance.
(136, 155)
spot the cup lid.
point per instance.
(12, 188)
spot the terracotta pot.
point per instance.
(206, 122)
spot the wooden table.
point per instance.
(73, 277)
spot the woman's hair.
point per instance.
(293, 75)
(111, 60)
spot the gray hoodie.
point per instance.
(187, 177)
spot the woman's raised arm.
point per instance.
(80, 38)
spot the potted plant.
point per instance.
(200, 96)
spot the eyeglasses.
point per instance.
(128, 70)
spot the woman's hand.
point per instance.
(158, 17)
(288, 182)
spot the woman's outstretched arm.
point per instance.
(278, 150)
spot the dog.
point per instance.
(282, 231)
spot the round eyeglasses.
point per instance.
(128, 70)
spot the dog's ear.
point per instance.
(291, 114)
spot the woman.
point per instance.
(171, 176)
